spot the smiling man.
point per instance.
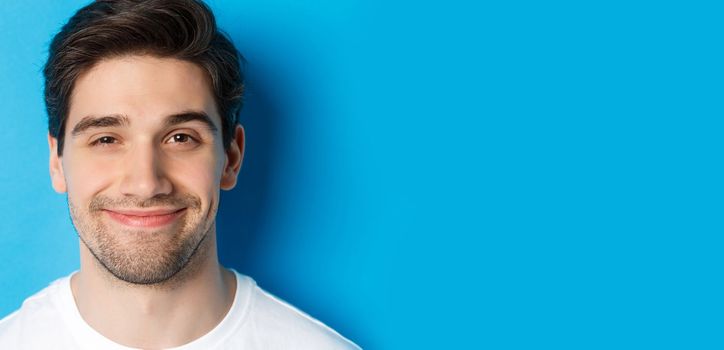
(143, 99)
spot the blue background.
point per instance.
(442, 174)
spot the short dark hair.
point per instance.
(181, 29)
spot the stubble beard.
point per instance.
(144, 257)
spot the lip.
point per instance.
(145, 218)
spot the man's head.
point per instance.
(182, 29)
(143, 98)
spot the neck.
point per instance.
(155, 316)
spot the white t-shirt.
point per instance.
(256, 320)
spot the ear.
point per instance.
(234, 157)
(56, 167)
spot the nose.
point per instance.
(143, 173)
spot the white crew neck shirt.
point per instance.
(256, 320)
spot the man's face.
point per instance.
(143, 163)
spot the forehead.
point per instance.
(144, 88)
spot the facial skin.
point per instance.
(142, 164)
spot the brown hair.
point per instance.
(182, 29)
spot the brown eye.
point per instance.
(105, 140)
(180, 138)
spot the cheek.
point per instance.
(85, 178)
(198, 175)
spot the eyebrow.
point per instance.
(90, 122)
(116, 120)
(190, 116)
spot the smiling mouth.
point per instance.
(145, 219)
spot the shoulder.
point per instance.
(286, 327)
(38, 314)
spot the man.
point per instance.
(143, 98)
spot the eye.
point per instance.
(104, 140)
(181, 138)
